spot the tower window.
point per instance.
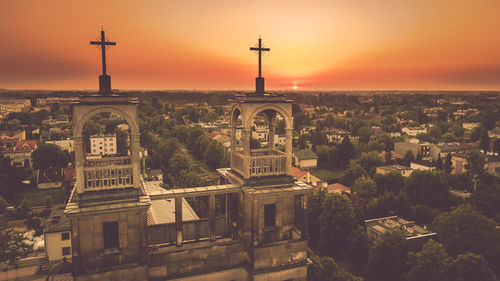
(66, 251)
(110, 233)
(270, 215)
(65, 236)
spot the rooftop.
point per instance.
(394, 168)
(305, 154)
(381, 225)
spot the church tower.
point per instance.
(272, 215)
(107, 207)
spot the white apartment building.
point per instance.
(103, 145)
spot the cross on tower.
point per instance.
(259, 49)
(103, 42)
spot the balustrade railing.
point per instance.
(263, 162)
(108, 176)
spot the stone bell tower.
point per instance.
(107, 207)
(272, 211)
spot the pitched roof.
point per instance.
(298, 173)
(305, 154)
(338, 188)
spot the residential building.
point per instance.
(103, 145)
(20, 152)
(414, 131)
(305, 176)
(57, 237)
(423, 166)
(376, 228)
(305, 158)
(458, 163)
(470, 126)
(415, 146)
(402, 170)
(68, 145)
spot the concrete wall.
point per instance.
(54, 245)
(197, 258)
(88, 242)
(131, 273)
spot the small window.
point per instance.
(66, 251)
(270, 215)
(65, 236)
(110, 233)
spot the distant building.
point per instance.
(375, 228)
(415, 146)
(17, 135)
(68, 145)
(305, 158)
(14, 105)
(458, 163)
(57, 237)
(49, 178)
(413, 131)
(402, 170)
(470, 126)
(20, 152)
(103, 145)
(442, 150)
(305, 176)
(333, 188)
(423, 165)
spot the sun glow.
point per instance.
(295, 87)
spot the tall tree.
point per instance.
(429, 264)
(47, 155)
(364, 187)
(387, 260)
(448, 166)
(326, 269)
(427, 188)
(471, 267)
(484, 141)
(464, 229)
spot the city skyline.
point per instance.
(196, 45)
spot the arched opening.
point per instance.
(264, 148)
(105, 150)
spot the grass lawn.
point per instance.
(37, 196)
(327, 174)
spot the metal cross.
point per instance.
(259, 49)
(103, 42)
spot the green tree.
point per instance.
(364, 134)
(447, 166)
(121, 141)
(47, 155)
(12, 244)
(427, 188)
(336, 228)
(364, 187)
(393, 182)
(25, 206)
(484, 141)
(254, 143)
(326, 269)
(352, 173)
(387, 204)
(471, 267)
(346, 152)
(369, 160)
(387, 259)
(475, 166)
(429, 264)
(464, 229)
(408, 158)
(178, 162)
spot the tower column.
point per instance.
(79, 163)
(288, 150)
(305, 230)
(134, 153)
(246, 134)
(178, 220)
(233, 143)
(211, 216)
(272, 126)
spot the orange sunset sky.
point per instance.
(203, 44)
